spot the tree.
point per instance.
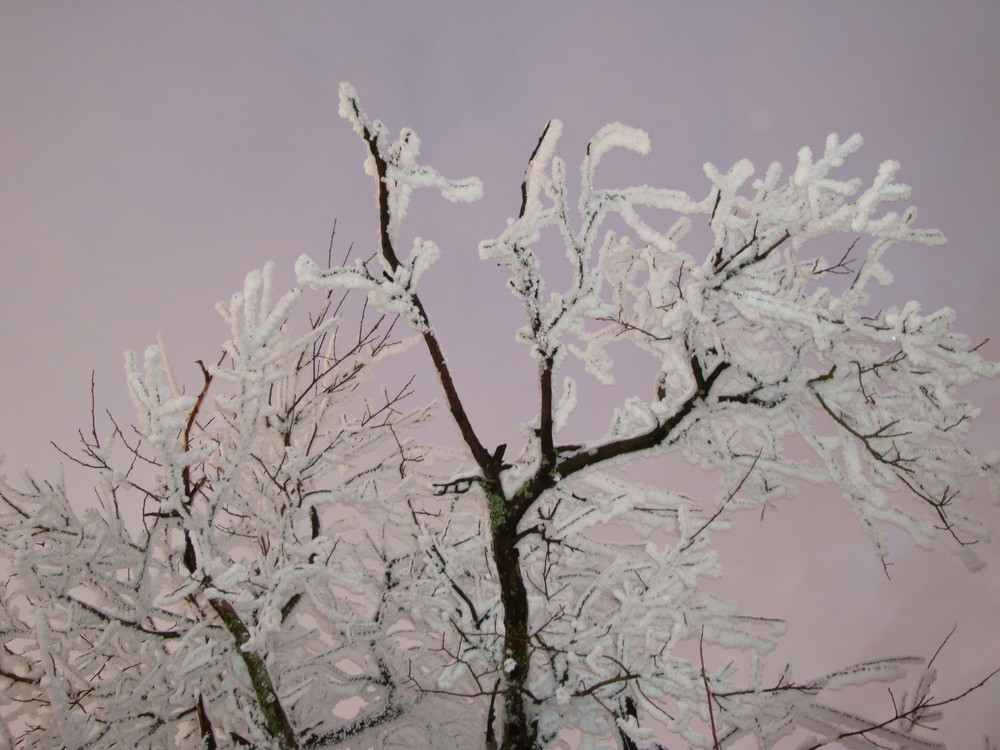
(301, 575)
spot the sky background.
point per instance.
(153, 153)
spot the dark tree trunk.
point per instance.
(519, 730)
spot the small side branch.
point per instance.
(725, 502)
(491, 738)
(189, 489)
(708, 690)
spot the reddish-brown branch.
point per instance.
(388, 251)
(708, 690)
(913, 713)
(725, 502)
(192, 415)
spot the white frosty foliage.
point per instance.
(108, 619)
(757, 353)
(292, 555)
(566, 405)
(762, 347)
(759, 306)
(395, 167)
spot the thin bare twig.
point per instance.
(708, 690)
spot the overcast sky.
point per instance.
(153, 153)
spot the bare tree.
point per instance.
(300, 579)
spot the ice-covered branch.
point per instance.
(396, 174)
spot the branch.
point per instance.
(725, 502)
(189, 491)
(896, 463)
(390, 711)
(455, 406)
(107, 617)
(18, 678)
(268, 702)
(546, 477)
(443, 569)
(649, 439)
(547, 363)
(603, 683)
(205, 725)
(750, 261)
(912, 713)
(491, 739)
(546, 426)
(708, 690)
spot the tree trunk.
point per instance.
(519, 730)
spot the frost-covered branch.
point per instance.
(396, 175)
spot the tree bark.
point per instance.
(519, 730)
(275, 719)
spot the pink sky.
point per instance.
(152, 154)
